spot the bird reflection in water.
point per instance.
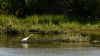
(25, 45)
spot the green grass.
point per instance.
(42, 23)
(46, 19)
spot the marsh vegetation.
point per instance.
(49, 17)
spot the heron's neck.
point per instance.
(29, 36)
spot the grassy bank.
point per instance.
(44, 24)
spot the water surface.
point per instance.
(41, 45)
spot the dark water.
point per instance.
(42, 45)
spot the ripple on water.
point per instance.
(89, 51)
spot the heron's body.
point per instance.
(25, 39)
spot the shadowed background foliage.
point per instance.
(66, 7)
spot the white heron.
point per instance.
(25, 39)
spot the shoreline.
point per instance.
(96, 30)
